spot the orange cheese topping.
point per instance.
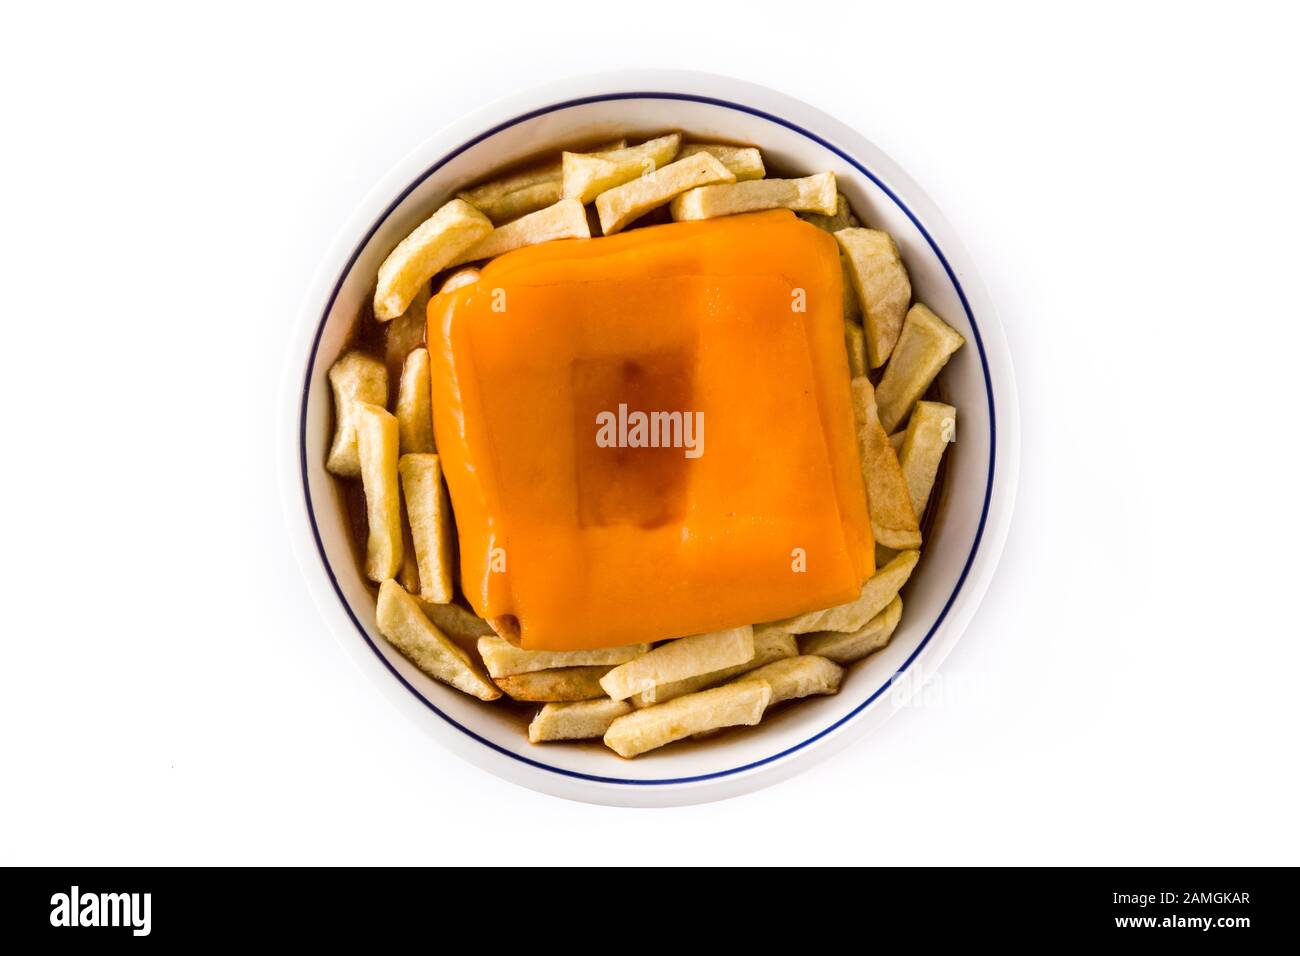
(650, 435)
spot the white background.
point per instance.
(1125, 178)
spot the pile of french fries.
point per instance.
(637, 697)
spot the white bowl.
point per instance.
(974, 509)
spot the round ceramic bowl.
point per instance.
(973, 506)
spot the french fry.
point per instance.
(434, 244)
(880, 589)
(884, 290)
(622, 204)
(812, 193)
(852, 307)
(847, 647)
(933, 425)
(414, 405)
(377, 446)
(459, 279)
(923, 349)
(842, 218)
(356, 377)
(896, 443)
(576, 721)
(795, 677)
(409, 576)
(454, 620)
(562, 684)
(856, 343)
(406, 628)
(770, 644)
(528, 190)
(727, 706)
(517, 194)
(566, 219)
(745, 162)
(406, 333)
(679, 659)
(587, 175)
(507, 626)
(503, 659)
(608, 146)
(429, 513)
(520, 202)
(893, 521)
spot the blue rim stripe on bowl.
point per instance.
(689, 97)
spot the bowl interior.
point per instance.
(958, 512)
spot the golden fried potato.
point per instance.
(454, 620)
(884, 290)
(679, 659)
(400, 621)
(726, 706)
(566, 219)
(409, 576)
(517, 194)
(564, 683)
(846, 647)
(435, 244)
(587, 175)
(377, 445)
(622, 204)
(576, 721)
(745, 162)
(507, 626)
(842, 218)
(879, 590)
(815, 193)
(852, 307)
(356, 377)
(795, 677)
(896, 443)
(923, 349)
(856, 343)
(406, 333)
(893, 521)
(415, 405)
(467, 275)
(770, 644)
(520, 202)
(932, 427)
(525, 191)
(503, 659)
(429, 512)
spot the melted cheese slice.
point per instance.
(735, 323)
